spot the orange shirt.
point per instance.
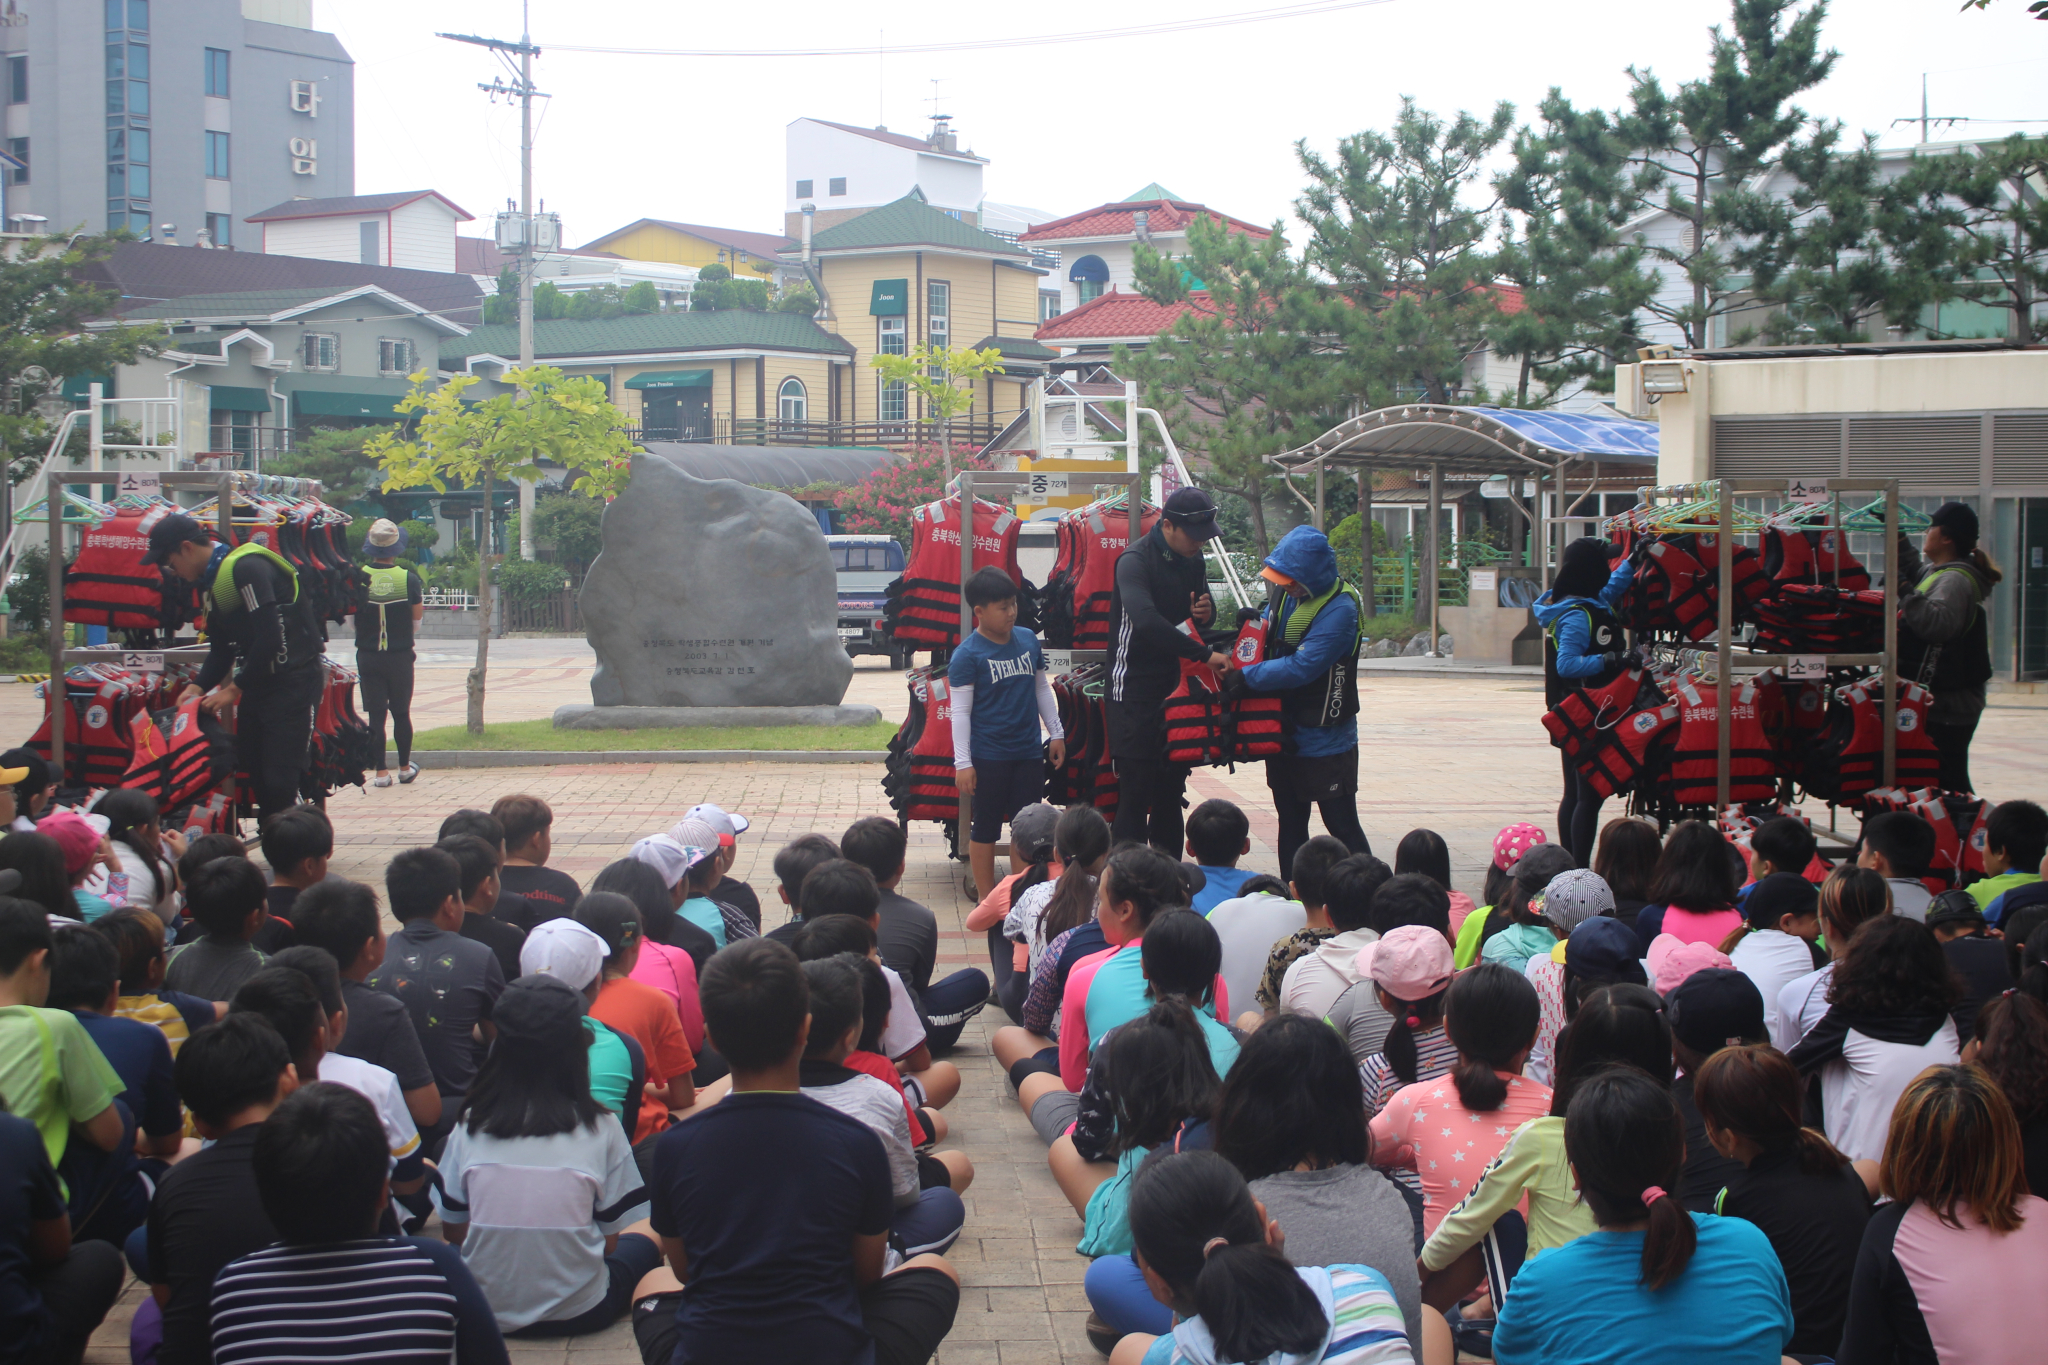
(639, 1009)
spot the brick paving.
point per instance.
(1461, 755)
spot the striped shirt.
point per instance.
(396, 1301)
(1435, 1055)
(1366, 1327)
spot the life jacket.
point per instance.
(1959, 831)
(98, 745)
(1257, 719)
(1583, 721)
(387, 587)
(929, 605)
(1603, 631)
(1101, 534)
(1197, 714)
(1820, 557)
(1845, 762)
(933, 794)
(1679, 589)
(225, 598)
(1752, 762)
(1057, 612)
(199, 751)
(149, 760)
(1332, 698)
(1635, 755)
(1808, 618)
(1961, 664)
(108, 584)
(1751, 584)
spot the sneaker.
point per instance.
(408, 773)
(381, 780)
(1101, 1335)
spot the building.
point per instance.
(1098, 246)
(139, 274)
(412, 229)
(1963, 420)
(909, 274)
(727, 376)
(748, 255)
(173, 120)
(842, 171)
(572, 272)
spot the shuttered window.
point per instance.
(2019, 448)
(1777, 447)
(1944, 450)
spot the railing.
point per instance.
(555, 612)
(770, 431)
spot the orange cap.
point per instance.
(1272, 575)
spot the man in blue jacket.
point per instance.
(1312, 661)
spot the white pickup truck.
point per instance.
(866, 565)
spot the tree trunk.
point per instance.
(946, 450)
(1522, 385)
(1258, 511)
(483, 618)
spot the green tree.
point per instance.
(569, 421)
(881, 503)
(717, 291)
(642, 298)
(1694, 151)
(2004, 224)
(44, 306)
(1583, 288)
(934, 374)
(798, 298)
(503, 306)
(1249, 368)
(335, 456)
(1398, 224)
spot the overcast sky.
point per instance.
(1212, 115)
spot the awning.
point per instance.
(314, 403)
(229, 398)
(77, 387)
(1478, 440)
(891, 299)
(671, 379)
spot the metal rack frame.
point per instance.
(1725, 492)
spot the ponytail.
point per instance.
(1670, 1242)
(1625, 1139)
(1491, 1014)
(1409, 1016)
(1981, 560)
(1082, 838)
(1193, 1219)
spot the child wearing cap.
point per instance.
(1710, 1010)
(639, 1010)
(574, 955)
(83, 839)
(1410, 975)
(1033, 853)
(1508, 847)
(1570, 899)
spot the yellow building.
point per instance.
(748, 255)
(907, 274)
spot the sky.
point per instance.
(1213, 115)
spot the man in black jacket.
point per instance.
(260, 626)
(1161, 582)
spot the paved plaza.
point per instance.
(1462, 755)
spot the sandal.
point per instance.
(381, 780)
(1101, 1335)
(407, 774)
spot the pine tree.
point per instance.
(2004, 224)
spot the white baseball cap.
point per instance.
(724, 824)
(564, 949)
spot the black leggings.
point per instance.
(1149, 794)
(1011, 985)
(1952, 744)
(1340, 818)
(387, 686)
(1578, 814)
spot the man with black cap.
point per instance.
(1161, 582)
(1979, 960)
(260, 627)
(1944, 631)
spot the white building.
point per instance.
(1097, 245)
(845, 171)
(575, 271)
(413, 229)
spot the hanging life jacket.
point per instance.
(1752, 762)
(1959, 820)
(1101, 535)
(1821, 557)
(388, 587)
(929, 606)
(1332, 698)
(108, 584)
(1580, 723)
(933, 794)
(1258, 722)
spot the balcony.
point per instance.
(758, 431)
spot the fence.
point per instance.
(769, 431)
(555, 612)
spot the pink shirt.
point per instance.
(1697, 926)
(672, 972)
(1425, 1129)
(1461, 906)
(1952, 1270)
(1074, 1017)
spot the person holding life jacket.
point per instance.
(259, 627)
(1583, 646)
(1944, 631)
(391, 607)
(1312, 662)
(1161, 581)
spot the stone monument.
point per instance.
(711, 603)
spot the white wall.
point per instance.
(947, 183)
(876, 172)
(1117, 255)
(323, 239)
(422, 236)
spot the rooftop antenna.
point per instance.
(881, 124)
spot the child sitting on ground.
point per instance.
(138, 939)
(1312, 864)
(1424, 851)
(1898, 846)
(1316, 979)
(528, 823)
(2015, 844)
(226, 899)
(297, 843)
(1218, 835)
(1508, 848)
(792, 864)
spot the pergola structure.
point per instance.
(1518, 443)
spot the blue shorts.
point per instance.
(1002, 787)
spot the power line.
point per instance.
(1297, 11)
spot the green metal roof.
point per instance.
(563, 338)
(911, 222)
(253, 303)
(234, 398)
(343, 395)
(1155, 190)
(1017, 348)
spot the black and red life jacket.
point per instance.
(1636, 753)
(199, 752)
(108, 584)
(1752, 761)
(1101, 534)
(98, 745)
(1751, 584)
(1581, 721)
(1845, 762)
(1959, 820)
(933, 794)
(928, 609)
(1820, 557)
(1258, 719)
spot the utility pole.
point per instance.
(525, 245)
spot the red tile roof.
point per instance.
(1507, 297)
(1120, 220)
(1117, 314)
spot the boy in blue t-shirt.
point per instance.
(998, 681)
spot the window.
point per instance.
(138, 146)
(17, 80)
(394, 355)
(320, 350)
(216, 156)
(792, 404)
(895, 401)
(117, 61)
(138, 97)
(836, 185)
(220, 228)
(892, 338)
(117, 182)
(1049, 305)
(216, 72)
(1090, 276)
(938, 298)
(138, 62)
(17, 147)
(138, 182)
(803, 187)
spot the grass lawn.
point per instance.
(542, 735)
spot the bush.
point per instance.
(28, 591)
(522, 580)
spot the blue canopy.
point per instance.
(1477, 440)
(1584, 434)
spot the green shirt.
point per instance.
(611, 1067)
(1533, 1163)
(52, 1073)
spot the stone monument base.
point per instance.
(579, 717)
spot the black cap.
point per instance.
(1958, 521)
(1604, 949)
(1779, 895)
(1194, 511)
(10, 881)
(539, 1009)
(1715, 1007)
(38, 770)
(1954, 907)
(171, 532)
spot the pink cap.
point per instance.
(77, 835)
(1409, 963)
(1672, 960)
(1511, 843)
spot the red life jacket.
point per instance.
(1581, 721)
(1679, 591)
(929, 608)
(108, 584)
(199, 750)
(1845, 762)
(1257, 719)
(933, 795)
(97, 743)
(1751, 586)
(1819, 557)
(1631, 756)
(1959, 831)
(1197, 714)
(1100, 536)
(1752, 762)
(149, 763)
